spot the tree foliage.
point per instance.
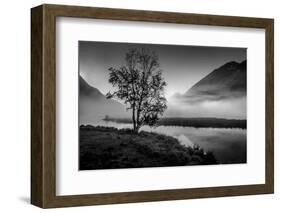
(140, 85)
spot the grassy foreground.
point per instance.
(110, 148)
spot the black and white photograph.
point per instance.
(160, 105)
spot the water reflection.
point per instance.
(228, 145)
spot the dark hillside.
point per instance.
(110, 148)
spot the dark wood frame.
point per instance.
(43, 105)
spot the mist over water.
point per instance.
(234, 108)
(91, 112)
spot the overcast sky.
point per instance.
(182, 66)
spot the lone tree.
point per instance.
(140, 85)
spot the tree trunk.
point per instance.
(138, 123)
(137, 128)
(134, 118)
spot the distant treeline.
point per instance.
(191, 122)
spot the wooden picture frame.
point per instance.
(43, 105)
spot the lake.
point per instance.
(228, 145)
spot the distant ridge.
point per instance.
(221, 93)
(227, 81)
(94, 106)
(86, 90)
(231, 77)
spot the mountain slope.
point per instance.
(228, 81)
(221, 94)
(86, 90)
(94, 106)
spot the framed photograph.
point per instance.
(136, 106)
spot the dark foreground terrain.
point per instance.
(110, 148)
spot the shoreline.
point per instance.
(190, 122)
